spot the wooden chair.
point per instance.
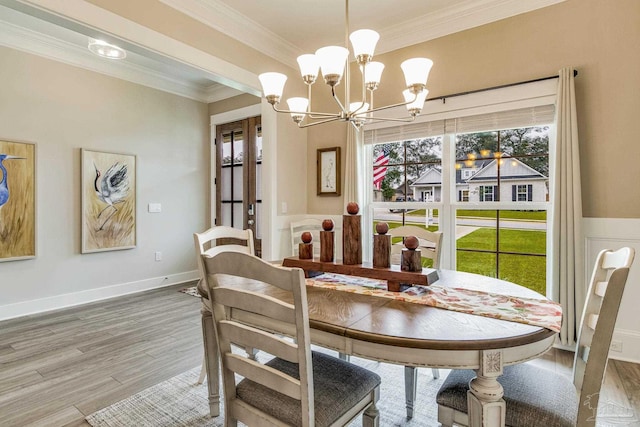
(539, 397)
(430, 242)
(297, 387)
(312, 225)
(221, 239)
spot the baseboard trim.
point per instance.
(58, 302)
(630, 342)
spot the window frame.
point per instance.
(529, 95)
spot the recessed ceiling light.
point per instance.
(106, 50)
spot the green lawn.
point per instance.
(525, 215)
(525, 270)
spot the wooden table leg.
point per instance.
(211, 360)
(484, 398)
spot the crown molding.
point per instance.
(453, 19)
(220, 17)
(218, 92)
(472, 13)
(36, 43)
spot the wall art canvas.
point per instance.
(108, 201)
(17, 200)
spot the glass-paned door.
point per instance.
(238, 170)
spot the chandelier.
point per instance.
(332, 61)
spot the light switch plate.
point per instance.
(155, 207)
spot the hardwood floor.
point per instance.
(59, 367)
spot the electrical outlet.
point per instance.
(616, 346)
(158, 256)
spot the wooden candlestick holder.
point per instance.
(326, 246)
(305, 250)
(351, 240)
(381, 250)
(411, 260)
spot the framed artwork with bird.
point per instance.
(108, 201)
(17, 200)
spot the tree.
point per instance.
(529, 145)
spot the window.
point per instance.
(488, 193)
(508, 242)
(522, 193)
(487, 189)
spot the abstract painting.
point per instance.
(17, 200)
(108, 201)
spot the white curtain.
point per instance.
(569, 285)
(353, 185)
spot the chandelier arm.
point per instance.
(319, 115)
(333, 93)
(306, 125)
(310, 113)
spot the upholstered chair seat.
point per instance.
(338, 387)
(534, 396)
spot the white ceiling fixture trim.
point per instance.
(227, 20)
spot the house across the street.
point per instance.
(479, 182)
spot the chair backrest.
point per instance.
(596, 327)
(312, 225)
(230, 302)
(217, 239)
(430, 242)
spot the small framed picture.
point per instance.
(328, 183)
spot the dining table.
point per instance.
(397, 331)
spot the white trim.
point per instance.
(630, 345)
(218, 119)
(69, 53)
(81, 12)
(613, 233)
(453, 19)
(470, 14)
(58, 302)
(233, 115)
(219, 16)
(524, 95)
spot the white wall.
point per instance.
(63, 109)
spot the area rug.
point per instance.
(193, 291)
(180, 402)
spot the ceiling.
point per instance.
(282, 29)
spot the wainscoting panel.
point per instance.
(614, 233)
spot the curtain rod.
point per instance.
(444, 97)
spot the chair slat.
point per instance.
(592, 321)
(601, 288)
(246, 336)
(255, 303)
(264, 375)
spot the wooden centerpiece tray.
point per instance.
(393, 275)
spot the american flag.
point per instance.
(380, 166)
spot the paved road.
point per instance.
(473, 222)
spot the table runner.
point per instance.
(538, 312)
